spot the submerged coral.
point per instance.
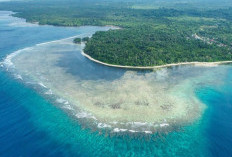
(132, 100)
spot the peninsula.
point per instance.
(168, 34)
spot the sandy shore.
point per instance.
(209, 64)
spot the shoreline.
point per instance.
(208, 64)
(139, 126)
(14, 14)
(101, 124)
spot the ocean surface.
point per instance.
(34, 124)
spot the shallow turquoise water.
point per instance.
(31, 125)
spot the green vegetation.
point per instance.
(146, 46)
(77, 40)
(153, 32)
(85, 39)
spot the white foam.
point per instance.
(82, 115)
(60, 100)
(17, 76)
(164, 124)
(119, 130)
(8, 60)
(68, 107)
(49, 92)
(41, 84)
(85, 115)
(139, 124)
(66, 103)
(103, 125)
(148, 132)
(132, 131)
(116, 130)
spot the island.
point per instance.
(148, 36)
(77, 40)
(56, 102)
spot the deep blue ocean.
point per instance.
(31, 125)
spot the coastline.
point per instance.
(93, 109)
(68, 102)
(208, 64)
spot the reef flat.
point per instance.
(134, 101)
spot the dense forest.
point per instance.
(146, 46)
(152, 33)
